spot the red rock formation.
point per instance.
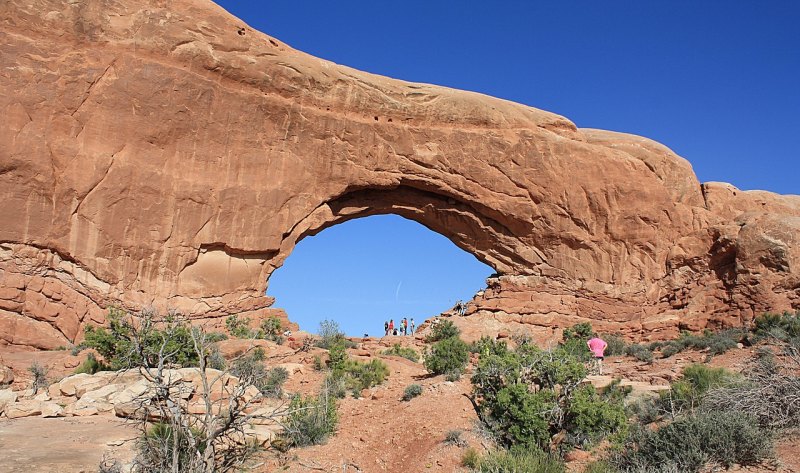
(166, 154)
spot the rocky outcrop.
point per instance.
(168, 155)
(127, 394)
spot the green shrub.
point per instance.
(359, 376)
(693, 442)
(527, 396)
(329, 334)
(453, 375)
(720, 342)
(471, 459)
(783, 326)
(574, 341)
(119, 348)
(582, 331)
(90, 365)
(442, 330)
(518, 461)
(405, 352)
(238, 328)
(215, 360)
(616, 345)
(486, 345)
(214, 337)
(271, 329)
(601, 466)
(161, 444)
(577, 349)
(446, 356)
(640, 352)
(311, 420)
(337, 354)
(518, 418)
(670, 349)
(717, 343)
(272, 383)
(249, 368)
(687, 392)
(412, 391)
(591, 417)
(352, 374)
(335, 385)
(644, 409)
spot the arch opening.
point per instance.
(368, 270)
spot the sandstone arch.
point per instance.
(152, 154)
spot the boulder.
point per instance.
(7, 397)
(51, 409)
(25, 408)
(6, 376)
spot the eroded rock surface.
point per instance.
(166, 154)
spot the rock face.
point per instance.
(166, 154)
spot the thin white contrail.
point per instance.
(397, 292)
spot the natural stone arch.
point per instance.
(463, 225)
(153, 154)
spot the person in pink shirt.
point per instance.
(598, 348)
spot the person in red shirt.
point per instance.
(598, 348)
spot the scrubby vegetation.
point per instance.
(442, 330)
(311, 421)
(269, 329)
(704, 425)
(453, 437)
(574, 340)
(90, 365)
(346, 373)
(769, 391)
(251, 367)
(129, 342)
(716, 343)
(40, 380)
(783, 327)
(412, 391)
(686, 393)
(695, 441)
(448, 356)
(534, 399)
(514, 461)
(405, 352)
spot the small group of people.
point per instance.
(404, 327)
(460, 308)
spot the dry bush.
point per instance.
(770, 391)
(174, 438)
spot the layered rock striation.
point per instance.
(164, 153)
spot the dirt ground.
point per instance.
(377, 432)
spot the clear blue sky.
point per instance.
(716, 81)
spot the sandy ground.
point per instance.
(69, 444)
